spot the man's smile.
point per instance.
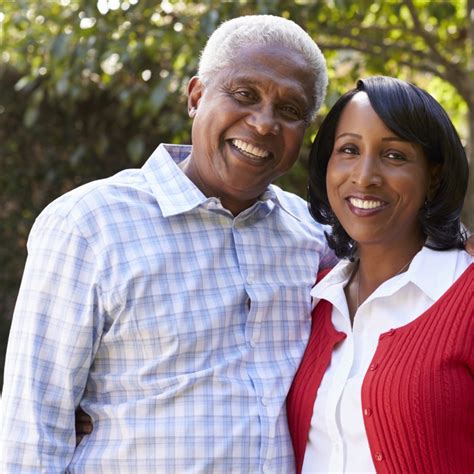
(250, 150)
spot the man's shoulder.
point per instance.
(294, 204)
(291, 200)
(101, 197)
(297, 210)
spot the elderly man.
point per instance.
(171, 303)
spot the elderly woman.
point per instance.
(386, 383)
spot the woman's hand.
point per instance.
(84, 425)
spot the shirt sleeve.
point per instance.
(328, 257)
(54, 331)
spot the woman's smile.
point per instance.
(360, 205)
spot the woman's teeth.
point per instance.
(365, 204)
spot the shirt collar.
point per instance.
(432, 271)
(275, 194)
(424, 272)
(331, 287)
(175, 192)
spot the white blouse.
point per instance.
(337, 439)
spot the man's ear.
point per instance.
(195, 92)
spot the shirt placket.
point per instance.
(256, 338)
(345, 361)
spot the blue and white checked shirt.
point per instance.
(176, 326)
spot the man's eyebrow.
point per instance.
(251, 81)
(245, 79)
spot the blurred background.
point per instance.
(90, 87)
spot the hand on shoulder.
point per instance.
(470, 245)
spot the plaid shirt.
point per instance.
(176, 326)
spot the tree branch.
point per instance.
(454, 75)
(372, 47)
(470, 34)
(364, 40)
(427, 37)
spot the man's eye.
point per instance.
(291, 111)
(243, 94)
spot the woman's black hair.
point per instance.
(414, 115)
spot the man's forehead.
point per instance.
(272, 67)
(286, 86)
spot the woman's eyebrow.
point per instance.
(349, 134)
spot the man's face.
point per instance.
(249, 122)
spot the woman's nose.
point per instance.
(366, 172)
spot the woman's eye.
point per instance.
(349, 149)
(394, 155)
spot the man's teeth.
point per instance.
(250, 149)
(364, 204)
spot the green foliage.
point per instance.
(91, 87)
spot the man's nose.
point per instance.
(264, 121)
(366, 171)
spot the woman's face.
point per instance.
(376, 181)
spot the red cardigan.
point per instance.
(418, 394)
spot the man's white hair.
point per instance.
(228, 39)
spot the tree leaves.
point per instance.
(89, 87)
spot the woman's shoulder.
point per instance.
(464, 261)
(452, 263)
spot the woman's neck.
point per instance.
(376, 265)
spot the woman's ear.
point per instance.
(434, 181)
(195, 91)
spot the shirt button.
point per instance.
(367, 411)
(250, 280)
(265, 401)
(378, 457)
(373, 366)
(212, 203)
